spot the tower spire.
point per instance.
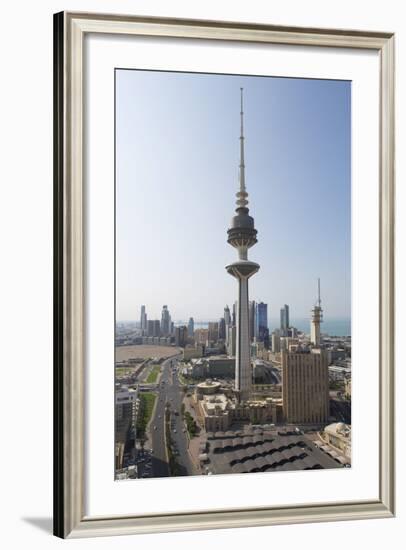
(242, 193)
(318, 293)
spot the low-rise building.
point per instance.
(338, 435)
(221, 367)
(209, 387)
(193, 352)
(215, 412)
(258, 450)
(126, 410)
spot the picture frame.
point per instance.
(70, 519)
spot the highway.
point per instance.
(178, 432)
(169, 390)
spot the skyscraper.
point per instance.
(242, 235)
(165, 321)
(276, 341)
(317, 318)
(305, 391)
(222, 329)
(143, 319)
(227, 316)
(284, 320)
(234, 316)
(157, 328)
(262, 323)
(213, 332)
(191, 327)
(181, 336)
(252, 319)
(227, 321)
(231, 340)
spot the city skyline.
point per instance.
(287, 276)
(331, 326)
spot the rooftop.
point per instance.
(264, 451)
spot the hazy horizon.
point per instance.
(177, 155)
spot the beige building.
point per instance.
(201, 336)
(258, 411)
(338, 435)
(193, 352)
(215, 412)
(209, 387)
(213, 332)
(305, 390)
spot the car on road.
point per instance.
(174, 431)
(154, 427)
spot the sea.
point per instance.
(329, 326)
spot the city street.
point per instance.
(169, 390)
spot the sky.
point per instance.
(177, 156)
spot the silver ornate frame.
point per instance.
(69, 518)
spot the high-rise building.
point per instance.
(305, 389)
(317, 318)
(165, 321)
(201, 336)
(284, 320)
(276, 341)
(150, 328)
(222, 329)
(227, 321)
(143, 320)
(242, 235)
(252, 319)
(234, 316)
(181, 336)
(227, 316)
(231, 340)
(191, 327)
(262, 323)
(157, 328)
(213, 332)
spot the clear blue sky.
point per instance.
(177, 154)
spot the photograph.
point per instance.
(232, 274)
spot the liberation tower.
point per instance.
(242, 235)
(317, 318)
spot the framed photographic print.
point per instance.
(224, 231)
